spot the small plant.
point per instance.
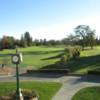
(5, 98)
(27, 95)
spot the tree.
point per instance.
(7, 42)
(91, 39)
(70, 40)
(28, 38)
(1, 45)
(44, 42)
(22, 41)
(85, 34)
(52, 42)
(36, 42)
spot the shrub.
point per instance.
(76, 52)
(27, 94)
(5, 98)
(71, 53)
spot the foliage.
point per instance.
(7, 42)
(23, 42)
(28, 38)
(44, 42)
(71, 53)
(28, 94)
(86, 35)
(70, 40)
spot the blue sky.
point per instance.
(51, 19)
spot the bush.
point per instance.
(71, 53)
(27, 95)
(5, 98)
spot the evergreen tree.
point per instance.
(28, 39)
(23, 42)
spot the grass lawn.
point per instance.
(90, 93)
(46, 90)
(34, 56)
(89, 60)
(49, 57)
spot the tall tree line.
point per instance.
(9, 42)
(82, 35)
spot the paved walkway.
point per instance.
(71, 84)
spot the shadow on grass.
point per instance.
(57, 65)
(90, 62)
(54, 57)
(40, 52)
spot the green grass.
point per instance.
(89, 60)
(46, 90)
(90, 93)
(49, 57)
(34, 56)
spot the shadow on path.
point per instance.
(43, 75)
(87, 79)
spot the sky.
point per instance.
(50, 19)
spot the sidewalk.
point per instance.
(71, 85)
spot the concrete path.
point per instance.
(71, 84)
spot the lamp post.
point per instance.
(17, 79)
(16, 59)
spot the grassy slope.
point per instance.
(90, 93)
(46, 90)
(89, 60)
